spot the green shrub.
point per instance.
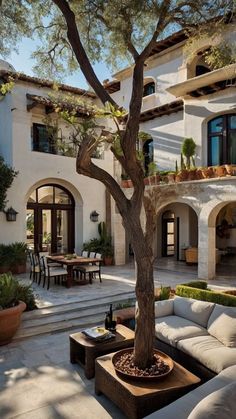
(13, 254)
(206, 295)
(11, 291)
(197, 284)
(162, 293)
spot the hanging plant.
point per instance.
(7, 175)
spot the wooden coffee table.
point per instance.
(85, 351)
(137, 399)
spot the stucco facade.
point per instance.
(36, 168)
(180, 103)
(195, 208)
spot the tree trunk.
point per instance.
(145, 319)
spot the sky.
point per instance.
(23, 63)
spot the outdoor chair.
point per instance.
(52, 272)
(76, 269)
(91, 269)
(35, 268)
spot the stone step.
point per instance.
(70, 316)
(74, 306)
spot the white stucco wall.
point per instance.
(36, 169)
(197, 114)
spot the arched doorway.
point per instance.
(226, 239)
(50, 219)
(168, 234)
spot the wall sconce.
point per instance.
(11, 214)
(94, 216)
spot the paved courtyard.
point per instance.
(37, 380)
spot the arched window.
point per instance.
(50, 219)
(149, 88)
(222, 140)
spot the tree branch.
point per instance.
(81, 56)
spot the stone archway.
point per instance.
(185, 229)
(211, 246)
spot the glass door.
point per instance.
(61, 231)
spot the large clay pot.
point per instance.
(17, 269)
(10, 321)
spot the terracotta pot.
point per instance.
(171, 177)
(108, 260)
(183, 175)
(158, 179)
(152, 179)
(9, 322)
(220, 171)
(129, 183)
(124, 183)
(208, 172)
(199, 174)
(146, 181)
(192, 174)
(229, 169)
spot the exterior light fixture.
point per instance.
(11, 214)
(94, 216)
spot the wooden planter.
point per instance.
(9, 322)
(191, 255)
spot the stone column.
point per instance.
(206, 251)
(119, 240)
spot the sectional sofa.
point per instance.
(202, 337)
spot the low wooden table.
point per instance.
(85, 351)
(138, 399)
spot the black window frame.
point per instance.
(224, 135)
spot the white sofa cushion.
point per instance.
(164, 308)
(209, 352)
(219, 404)
(222, 325)
(171, 329)
(182, 407)
(193, 310)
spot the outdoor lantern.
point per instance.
(94, 216)
(11, 214)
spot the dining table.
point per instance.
(70, 262)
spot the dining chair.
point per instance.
(52, 272)
(92, 269)
(76, 269)
(35, 269)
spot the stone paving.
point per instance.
(37, 380)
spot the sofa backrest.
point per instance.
(193, 310)
(222, 325)
(164, 308)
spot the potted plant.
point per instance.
(108, 253)
(188, 151)
(11, 307)
(13, 257)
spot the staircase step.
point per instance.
(70, 316)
